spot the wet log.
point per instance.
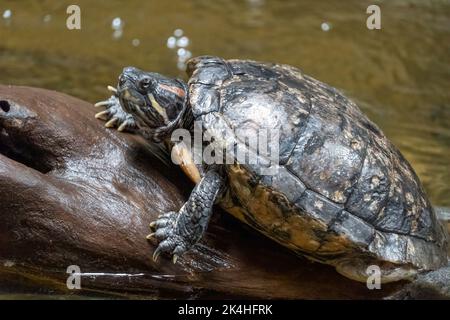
(75, 193)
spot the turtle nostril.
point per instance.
(5, 106)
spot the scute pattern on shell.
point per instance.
(351, 178)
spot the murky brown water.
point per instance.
(400, 74)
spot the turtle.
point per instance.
(338, 191)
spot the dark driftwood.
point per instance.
(75, 193)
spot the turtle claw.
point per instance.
(122, 127)
(103, 115)
(111, 123)
(156, 254)
(112, 89)
(102, 104)
(128, 124)
(114, 115)
(171, 241)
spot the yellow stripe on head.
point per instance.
(158, 108)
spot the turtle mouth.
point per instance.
(145, 109)
(137, 104)
(131, 99)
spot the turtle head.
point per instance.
(156, 102)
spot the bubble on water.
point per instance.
(171, 42)
(117, 34)
(181, 65)
(257, 3)
(117, 23)
(7, 14)
(178, 33)
(184, 56)
(47, 18)
(188, 54)
(325, 26)
(136, 42)
(179, 43)
(183, 42)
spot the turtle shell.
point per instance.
(340, 186)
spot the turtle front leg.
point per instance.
(177, 232)
(114, 115)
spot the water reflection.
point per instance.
(47, 18)
(136, 42)
(325, 26)
(7, 15)
(117, 25)
(255, 14)
(179, 43)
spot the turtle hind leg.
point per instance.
(177, 232)
(364, 269)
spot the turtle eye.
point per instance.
(144, 83)
(122, 80)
